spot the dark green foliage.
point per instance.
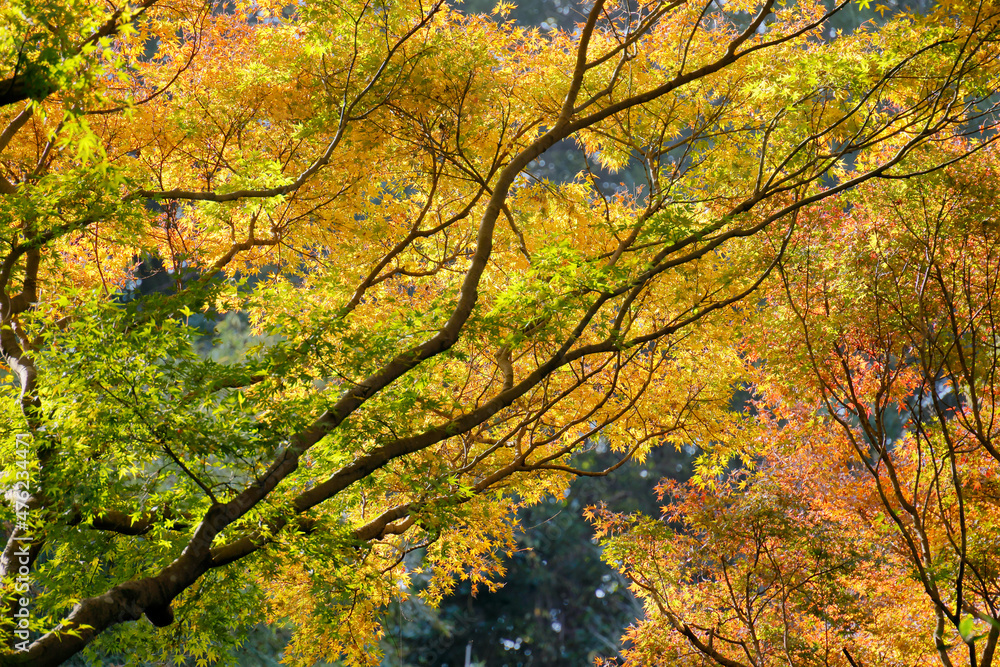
(560, 605)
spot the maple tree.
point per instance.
(439, 332)
(861, 526)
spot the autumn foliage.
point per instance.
(438, 332)
(862, 527)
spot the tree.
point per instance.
(440, 332)
(863, 528)
(559, 604)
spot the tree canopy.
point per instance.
(440, 331)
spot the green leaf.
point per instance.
(966, 627)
